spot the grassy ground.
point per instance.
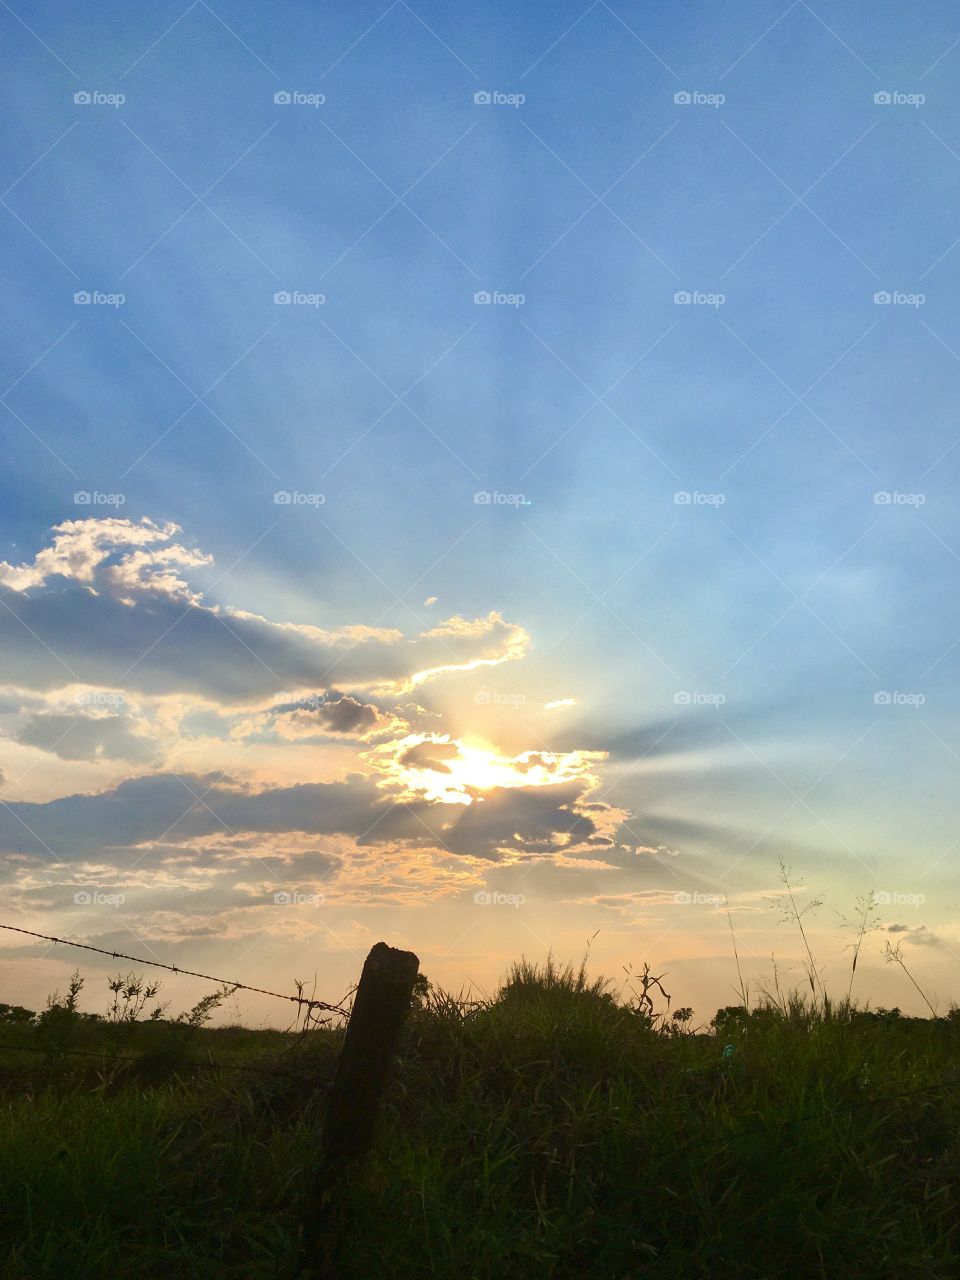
(550, 1132)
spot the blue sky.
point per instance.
(713, 394)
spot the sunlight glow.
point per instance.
(459, 770)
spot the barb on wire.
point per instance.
(300, 1000)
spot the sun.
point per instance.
(437, 767)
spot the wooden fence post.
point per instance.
(381, 1004)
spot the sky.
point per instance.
(482, 478)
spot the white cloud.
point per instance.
(107, 603)
(81, 547)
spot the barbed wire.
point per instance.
(309, 1005)
(299, 1000)
(211, 1063)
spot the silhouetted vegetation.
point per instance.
(558, 1129)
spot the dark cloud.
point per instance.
(82, 737)
(524, 818)
(55, 636)
(317, 863)
(230, 882)
(109, 598)
(533, 819)
(17, 701)
(430, 755)
(334, 713)
(916, 933)
(176, 809)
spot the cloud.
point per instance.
(82, 547)
(530, 820)
(429, 755)
(177, 809)
(916, 933)
(471, 643)
(628, 903)
(106, 605)
(312, 719)
(335, 712)
(84, 737)
(438, 767)
(114, 653)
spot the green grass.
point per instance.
(552, 1131)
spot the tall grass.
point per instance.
(559, 1128)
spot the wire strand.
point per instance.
(173, 968)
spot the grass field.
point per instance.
(552, 1131)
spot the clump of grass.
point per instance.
(527, 981)
(559, 1128)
